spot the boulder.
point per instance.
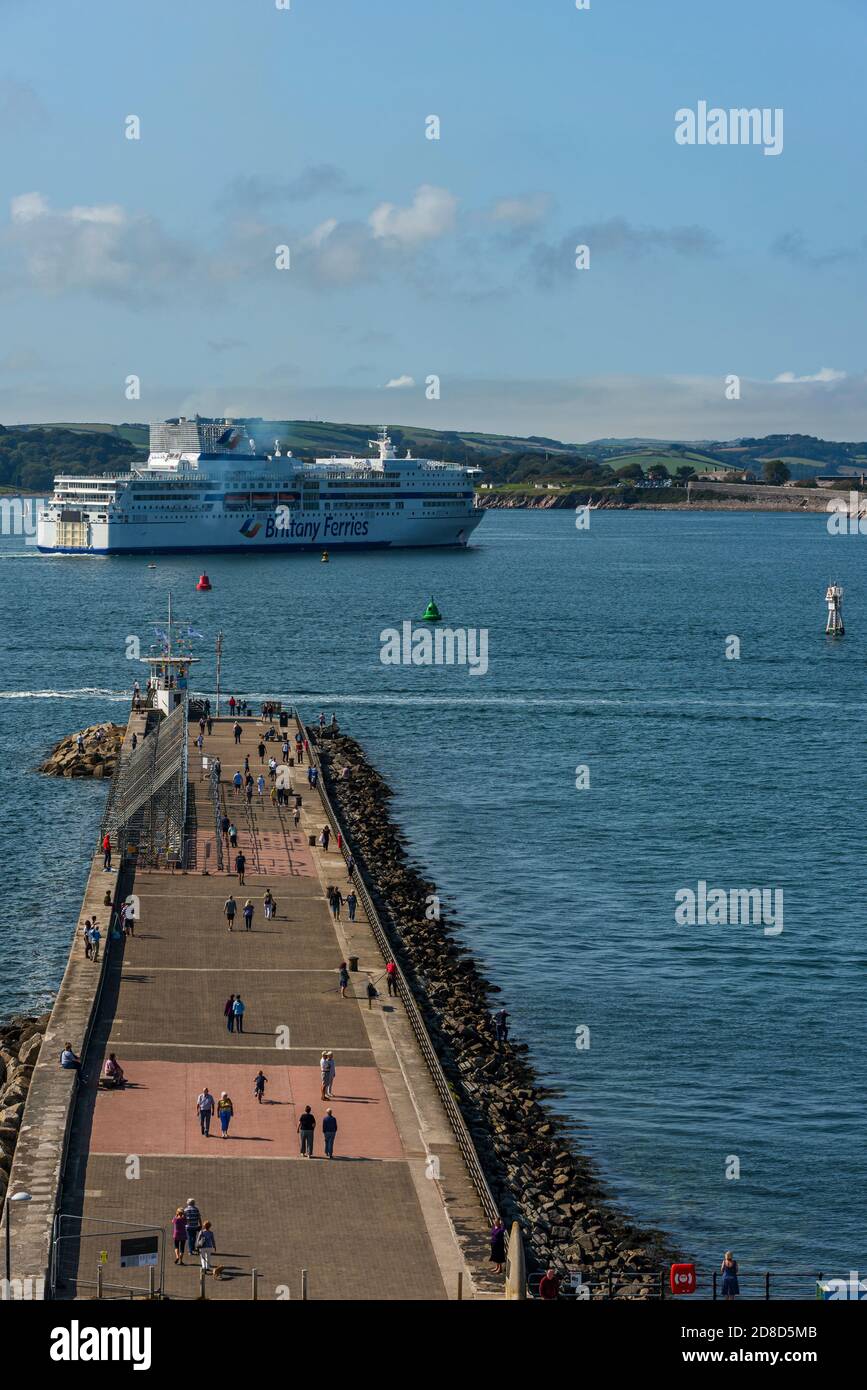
(29, 1051)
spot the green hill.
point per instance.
(30, 455)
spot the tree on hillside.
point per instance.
(630, 471)
(657, 473)
(685, 472)
(776, 472)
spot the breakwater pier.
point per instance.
(395, 1214)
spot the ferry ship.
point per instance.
(205, 487)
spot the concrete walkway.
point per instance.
(371, 1224)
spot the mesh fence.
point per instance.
(147, 809)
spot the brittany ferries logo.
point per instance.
(251, 528)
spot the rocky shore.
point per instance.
(97, 757)
(707, 499)
(20, 1041)
(537, 1175)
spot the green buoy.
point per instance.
(431, 614)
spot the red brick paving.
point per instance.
(156, 1114)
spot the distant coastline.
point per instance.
(725, 497)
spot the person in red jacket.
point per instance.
(106, 852)
(549, 1284)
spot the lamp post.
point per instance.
(16, 1197)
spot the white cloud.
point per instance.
(27, 206)
(431, 214)
(322, 232)
(521, 212)
(101, 248)
(399, 382)
(824, 374)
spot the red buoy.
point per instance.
(204, 581)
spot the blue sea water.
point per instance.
(607, 649)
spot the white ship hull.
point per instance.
(228, 534)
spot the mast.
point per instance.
(219, 666)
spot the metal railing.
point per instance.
(456, 1120)
(218, 815)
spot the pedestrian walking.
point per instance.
(179, 1235)
(193, 1218)
(498, 1247)
(391, 978)
(209, 724)
(106, 853)
(343, 979)
(261, 750)
(324, 836)
(276, 795)
(225, 1111)
(259, 1081)
(229, 1012)
(204, 1110)
(240, 866)
(372, 993)
(501, 1024)
(329, 1132)
(233, 835)
(306, 1126)
(237, 731)
(95, 938)
(296, 816)
(260, 787)
(129, 912)
(239, 1009)
(336, 903)
(237, 782)
(269, 904)
(134, 743)
(285, 750)
(351, 905)
(206, 1245)
(249, 792)
(350, 865)
(88, 946)
(224, 826)
(248, 915)
(230, 907)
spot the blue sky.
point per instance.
(413, 257)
